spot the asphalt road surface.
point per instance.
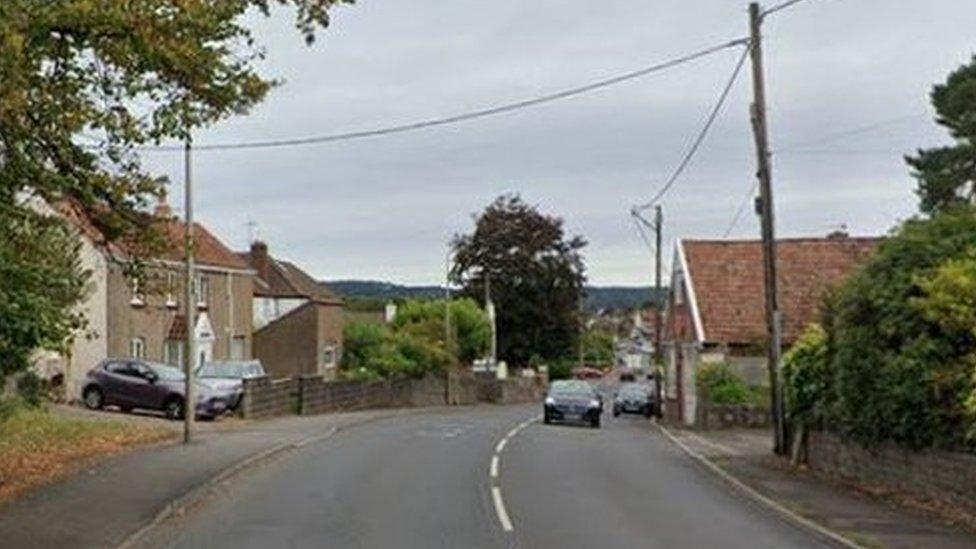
(446, 479)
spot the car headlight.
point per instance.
(594, 403)
(550, 401)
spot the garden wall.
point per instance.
(724, 416)
(942, 476)
(264, 397)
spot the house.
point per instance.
(146, 319)
(716, 307)
(297, 321)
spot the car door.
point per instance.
(115, 381)
(145, 389)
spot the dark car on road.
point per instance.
(228, 377)
(634, 398)
(573, 401)
(131, 384)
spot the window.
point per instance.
(138, 299)
(329, 356)
(173, 352)
(171, 290)
(238, 348)
(203, 291)
(137, 348)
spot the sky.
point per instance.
(847, 86)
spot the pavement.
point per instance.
(483, 478)
(867, 520)
(104, 504)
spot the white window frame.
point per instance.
(168, 358)
(171, 290)
(203, 291)
(330, 350)
(138, 299)
(137, 348)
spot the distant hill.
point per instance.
(598, 297)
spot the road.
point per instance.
(424, 481)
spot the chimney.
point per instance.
(163, 210)
(260, 259)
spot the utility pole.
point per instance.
(189, 403)
(490, 309)
(658, 307)
(582, 326)
(765, 207)
(448, 335)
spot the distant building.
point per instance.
(297, 321)
(716, 306)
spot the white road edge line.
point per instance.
(751, 492)
(496, 495)
(494, 466)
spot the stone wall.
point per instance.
(264, 397)
(716, 416)
(948, 477)
(317, 396)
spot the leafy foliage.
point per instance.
(598, 347)
(947, 175)
(83, 84)
(471, 329)
(414, 344)
(537, 275)
(41, 281)
(807, 378)
(895, 363)
(720, 384)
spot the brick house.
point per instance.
(716, 306)
(297, 321)
(129, 320)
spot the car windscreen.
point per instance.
(230, 371)
(168, 373)
(571, 389)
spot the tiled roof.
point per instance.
(210, 251)
(285, 279)
(177, 330)
(727, 279)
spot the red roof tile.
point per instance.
(727, 278)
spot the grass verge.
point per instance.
(38, 446)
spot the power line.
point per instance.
(643, 233)
(780, 7)
(713, 116)
(843, 134)
(742, 208)
(463, 117)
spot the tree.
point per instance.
(471, 330)
(536, 273)
(947, 175)
(41, 280)
(83, 84)
(598, 347)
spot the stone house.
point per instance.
(716, 306)
(297, 321)
(146, 319)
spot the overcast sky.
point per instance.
(384, 208)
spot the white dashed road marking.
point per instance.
(496, 491)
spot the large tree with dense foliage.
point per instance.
(947, 175)
(84, 84)
(536, 274)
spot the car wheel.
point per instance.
(616, 412)
(94, 399)
(126, 409)
(596, 422)
(546, 419)
(173, 408)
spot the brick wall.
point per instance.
(264, 397)
(948, 477)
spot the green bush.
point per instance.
(901, 357)
(720, 384)
(31, 389)
(561, 369)
(807, 378)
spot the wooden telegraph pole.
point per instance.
(765, 207)
(189, 403)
